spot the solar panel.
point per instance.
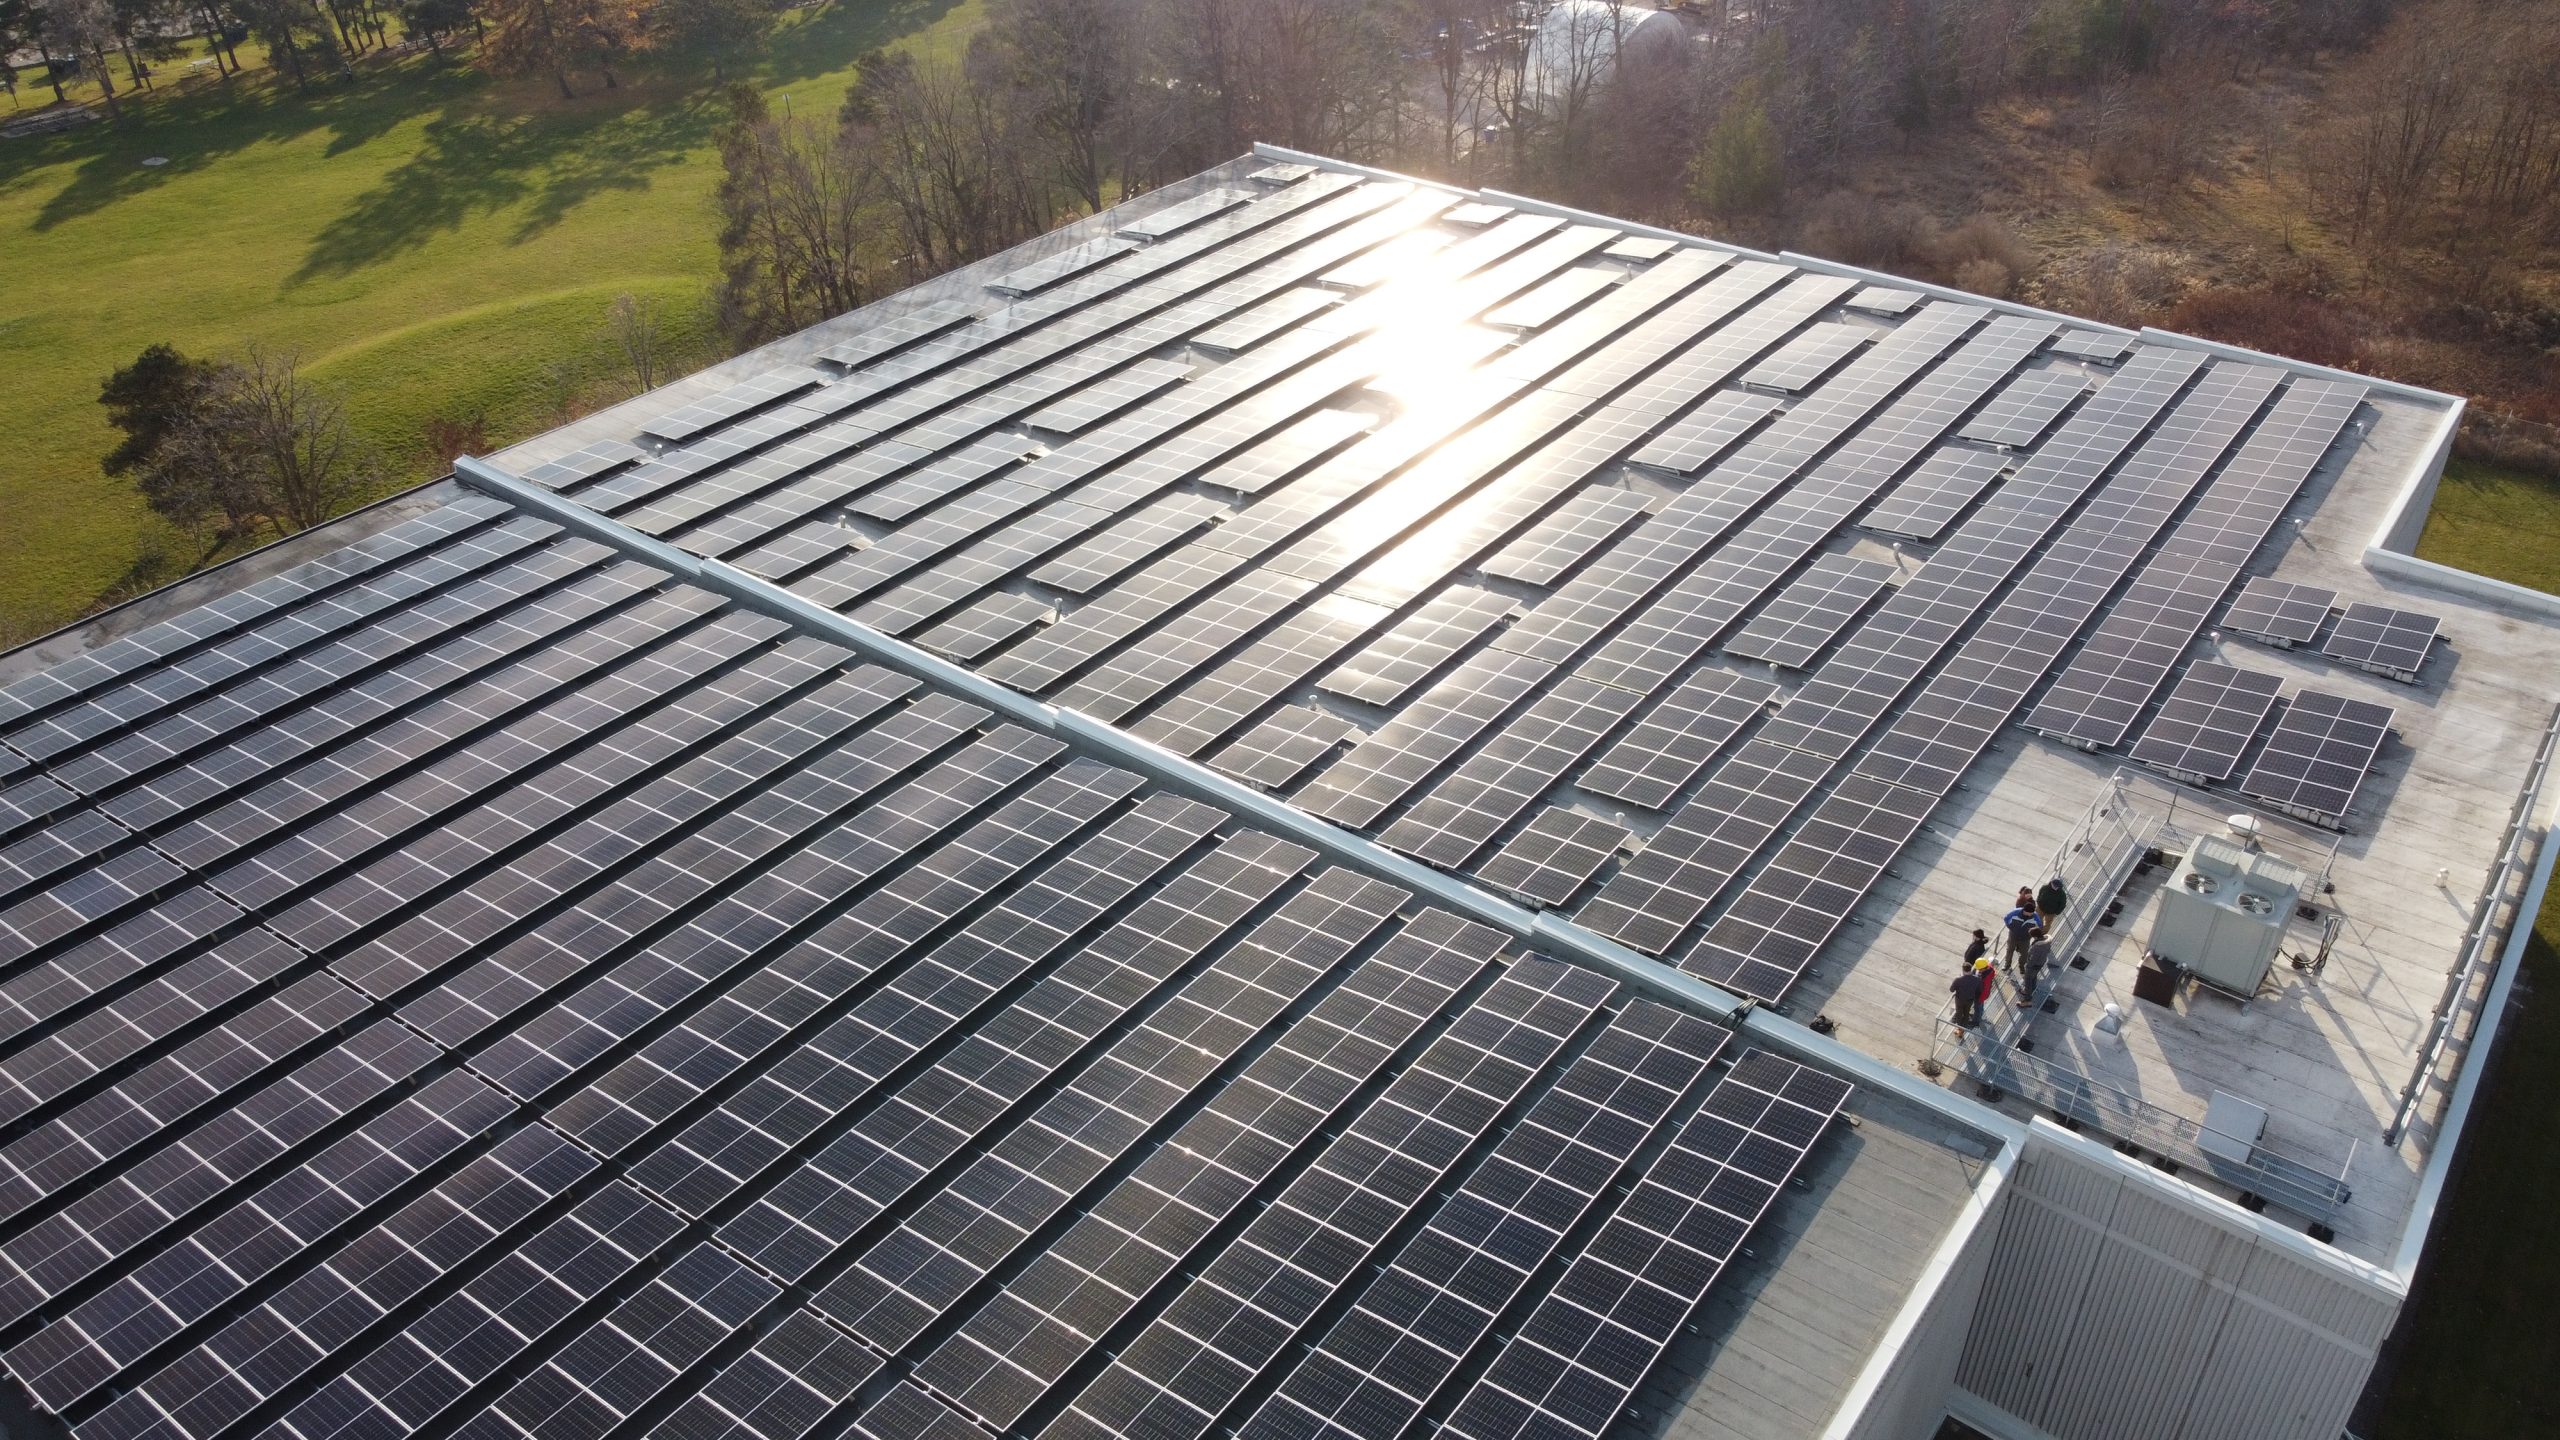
(1378, 1367)
(2094, 345)
(1579, 1357)
(1290, 452)
(2094, 701)
(2026, 409)
(1884, 300)
(1051, 1314)
(1667, 749)
(1251, 327)
(2318, 756)
(1276, 752)
(1183, 214)
(1586, 522)
(1810, 613)
(1033, 1168)
(745, 398)
(1398, 756)
(1641, 248)
(899, 332)
(783, 1388)
(2280, 612)
(1808, 357)
(2382, 640)
(1222, 1327)
(2207, 722)
(1654, 898)
(1541, 307)
(1058, 266)
(1109, 396)
(1550, 861)
(1929, 499)
(1386, 671)
(1706, 432)
(1462, 813)
(1106, 556)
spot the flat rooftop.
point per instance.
(1439, 543)
(1689, 595)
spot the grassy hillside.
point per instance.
(441, 243)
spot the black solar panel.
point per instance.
(2319, 755)
(2206, 724)
(1929, 499)
(1276, 752)
(1550, 861)
(2280, 612)
(1811, 612)
(2383, 640)
(1222, 1327)
(1582, 1352)
(1381, 1364)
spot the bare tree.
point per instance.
(949, 155)
(86, 28)
(1067, 61)
(796, 205)
(291, 437)
(639, 335)
(553, 37)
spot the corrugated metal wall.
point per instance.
(2120, 1307)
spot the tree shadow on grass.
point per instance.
(479, 158)
(492, 145)
(837, 34)
(193, 132)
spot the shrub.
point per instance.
(2500, 439)
(1978, 239)
(1985, 276)
(1856, 229)
(2296, 326)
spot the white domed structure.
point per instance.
(1579, 43)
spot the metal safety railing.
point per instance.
(2484, 938)
(2238, 1161)
(2098, 858)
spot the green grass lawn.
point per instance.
(440, 243)
(2478, 1362)
(2498, 522)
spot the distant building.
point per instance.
(1579, 43)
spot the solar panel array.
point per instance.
(2208, 721)
(474, 984)
(1553, 469)
(477, 984)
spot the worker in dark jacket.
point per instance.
(2051, 901)
(1967, 990)
(2031, 969)
(2018, 923)
(1977, 948)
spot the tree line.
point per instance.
(1061, 106)
(563, 41)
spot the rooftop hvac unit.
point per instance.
(2223, 916)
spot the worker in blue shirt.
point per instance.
(2021, 924)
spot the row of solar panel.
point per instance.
(1209, 641)
(728, 829)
